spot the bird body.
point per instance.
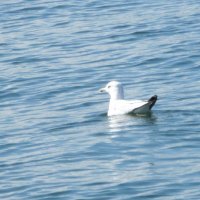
(119, 106)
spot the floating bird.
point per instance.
(119, 106)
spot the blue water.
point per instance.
(56, 141)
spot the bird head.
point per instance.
(114, 89)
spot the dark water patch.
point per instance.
(29, 9)
(61, 24)
(9, 95)
(27, 60)
(122, 26)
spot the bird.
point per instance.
(119, 106)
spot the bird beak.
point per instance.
(102, 90)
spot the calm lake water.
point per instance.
(56, 141)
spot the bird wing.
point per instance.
(134, 106)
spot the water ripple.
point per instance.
(56, 140)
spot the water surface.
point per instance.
(56, 140)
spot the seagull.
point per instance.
(119, 106)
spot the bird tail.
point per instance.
(152, 101)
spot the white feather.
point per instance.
(119, 106)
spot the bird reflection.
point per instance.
(124, 122)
